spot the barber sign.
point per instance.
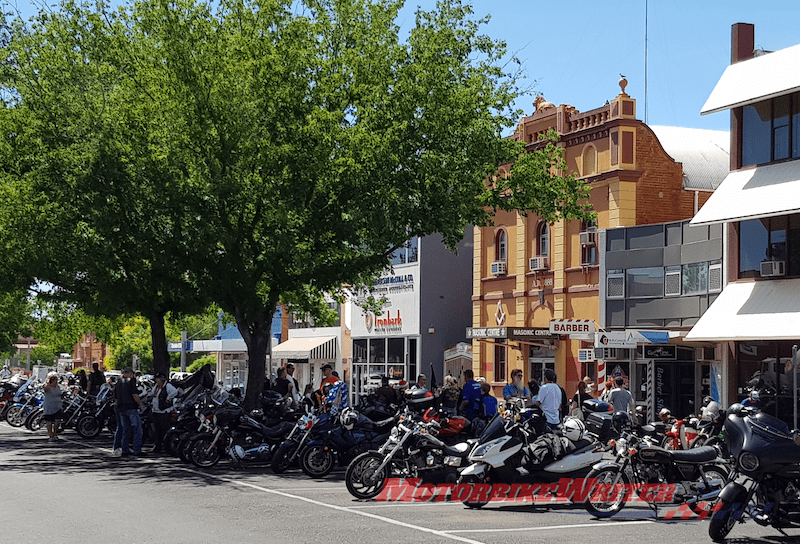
(573, 327)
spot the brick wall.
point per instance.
(659, 197)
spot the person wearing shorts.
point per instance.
(53, 413)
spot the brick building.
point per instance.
(527, 272)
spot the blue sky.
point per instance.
(576, 49)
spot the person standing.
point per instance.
(450, 395)
(282, 384)
(582, 394)
(421, 385)
(163, 396)
(128, 404)
(621, 399)
(96, 380)
(470, 404)
(488, 402)
(549, 399)
(295, 387)
(53, 413)
(516, 388)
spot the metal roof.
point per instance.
(705, 154)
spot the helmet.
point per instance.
(620, 421)
(573, 429)
(707, 400)
(349, 418)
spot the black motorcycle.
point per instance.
(412, 450)
(694, 476)
(765, 480)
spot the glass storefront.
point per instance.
(395, 357)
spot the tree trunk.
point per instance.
(159, 336)
(256, 334)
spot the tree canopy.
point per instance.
(181, 152)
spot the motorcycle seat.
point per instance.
(388, 422)
(648, 429)
(696, 455)
(280, 430)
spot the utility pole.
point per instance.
(184, 343)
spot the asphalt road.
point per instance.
(74, 491)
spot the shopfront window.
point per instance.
(407, 253)
(500, 350)
(769, 239)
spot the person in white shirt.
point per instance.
(163, 395)
(294, 387)
(549, 398)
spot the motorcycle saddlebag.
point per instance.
(599, 423)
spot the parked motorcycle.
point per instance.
(90, 425)
(27, 398)
(351, 435)
(698, 475)
(516, 449)
(765, 480)
(412, 450)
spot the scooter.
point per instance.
(516, 449)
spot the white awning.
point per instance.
(764, 191)
(218, 346)
(756, 79)
(756, 310)
(317, 347)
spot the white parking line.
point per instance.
(550, 527)
(442, 534)
(408, 504)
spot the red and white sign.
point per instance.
(572, 326)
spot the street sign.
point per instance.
(648, 336)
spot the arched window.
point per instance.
(589, 160)
(542, 239)
(500, 246)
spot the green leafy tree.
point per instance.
(14, 318)
(245, 151)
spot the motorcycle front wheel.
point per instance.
(610, 493)
(16, 416)
(363, 479)
(200, 452)
(282, 458)
(473, 504)
(716, 477)
(88, 427)
(317, 461)
(34, 420)
(723, 521)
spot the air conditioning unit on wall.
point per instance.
(537, 263)
(773, 268)
(588, 238)
(499, 268)
(586, 355)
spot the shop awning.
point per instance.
(758, 310)
(755, 79)
(754, 193)
(317, 347)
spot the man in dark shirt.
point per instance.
(96, 380)
(386, 391)
(281, 383)
(128, 404)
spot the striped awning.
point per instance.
(314, 348)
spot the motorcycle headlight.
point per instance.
(748, 461)
(395, 433)
(622, 445)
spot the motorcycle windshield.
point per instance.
(495, 429)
